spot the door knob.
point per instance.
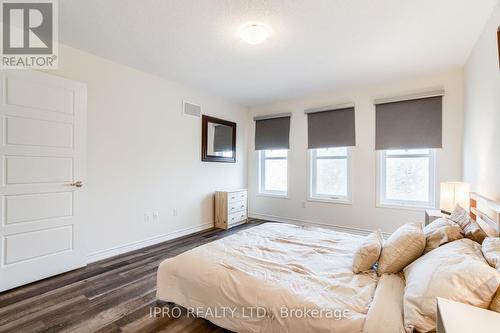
(77, 184)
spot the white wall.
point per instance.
(144, 155)
(363, 213)
(482, 113)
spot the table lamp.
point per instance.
(453, 193)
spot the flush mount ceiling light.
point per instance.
(255, 33)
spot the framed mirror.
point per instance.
(218, 140)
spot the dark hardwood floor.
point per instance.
(112, 295)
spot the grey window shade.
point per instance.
(412, 124)
(223, 138)
(332, 128)
(272, 133)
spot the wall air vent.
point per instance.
(191, 109)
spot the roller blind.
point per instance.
(331, 128)
(223, 138)
(409, 124)
(272, 132)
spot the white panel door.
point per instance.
(43, 124)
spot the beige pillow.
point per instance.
(439, 232)
(405, 245)
(471, 229)
(385, 313)
(491, 251)
(368, 252)
(456, 271)
(495, 303)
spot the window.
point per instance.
(407, 178)
(273, 167)
(330, 170)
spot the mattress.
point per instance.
(274, 277)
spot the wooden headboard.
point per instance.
(486, 213)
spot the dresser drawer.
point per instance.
(236, 206)
(237, 196)
(236, 217)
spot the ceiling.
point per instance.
(316, 45)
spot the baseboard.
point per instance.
(351, 230)
(104, 254)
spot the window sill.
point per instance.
(403, 207)
(273, 195)
(330, 201)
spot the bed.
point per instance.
(279, 277)
(273, 277)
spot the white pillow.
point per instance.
(471, 229)
(368, 252)
(439, 232)
(456, 271)
(404, 246)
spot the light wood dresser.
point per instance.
(231, 208)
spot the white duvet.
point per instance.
(272, 278)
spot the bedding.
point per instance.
(456, 271)
(367, 253)
(401, 248)
(439, 232)
(269, 277)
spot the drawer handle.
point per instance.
(242, 216)
(233, 197)
(242, 206)
(232, 208)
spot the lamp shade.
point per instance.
(453, 193)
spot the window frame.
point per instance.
(312, 195)
(406, 204)
(262, 173)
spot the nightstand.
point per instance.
(454, 317)
(432, 214)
